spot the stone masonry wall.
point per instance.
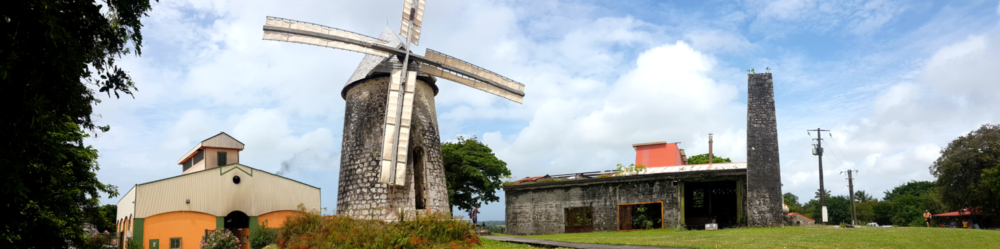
(763, 167)
(359, 194)
(537, 208)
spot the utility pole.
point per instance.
(850, 187)
(818, 151)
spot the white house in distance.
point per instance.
(213, 191)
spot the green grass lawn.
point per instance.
(794, 237)
(493, 244)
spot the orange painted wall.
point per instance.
(658, 155)
(277, 218)
(190, 226)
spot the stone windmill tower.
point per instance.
(391, 153)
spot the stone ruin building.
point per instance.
(669, 193)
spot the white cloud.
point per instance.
(668, 96)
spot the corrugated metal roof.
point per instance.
(696, 167)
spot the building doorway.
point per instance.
(710, 202)
(417, 157)
(239, 223)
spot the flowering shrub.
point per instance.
(263, 236)
(433, 230)
(98, 240)
(220, 238)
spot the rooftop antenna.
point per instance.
(402, 88)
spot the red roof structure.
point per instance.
(959, 213)
(659, 154)
(803, 216)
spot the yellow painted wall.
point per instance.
(190, 226)
(276, 219)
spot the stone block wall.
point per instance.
(763, 167)
(359, 193)
(538, 208)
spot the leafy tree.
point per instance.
(864, 212)
(883, 212)
(793, 202)
(907, 209)
(862, 196)
(838, 209)
(912, 188)
(473, 173)
(53, 53)
(103, 217)
(703, 159)
(967, 171)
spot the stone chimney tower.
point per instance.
(710, 155)
(763, 168)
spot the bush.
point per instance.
(263, 237)
(97, 240)
(133, 244)
(220, 238)
(433, 230)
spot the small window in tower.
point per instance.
(222, 158)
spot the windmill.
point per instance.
(385, 53)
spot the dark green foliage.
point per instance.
(862, 196)
(968, 171)
(263, 236)
(827, 194)
(838, 209)
(133, 244)
(703, 159)
(473, 173)
(913, 188)
(907, 209)
(864, 212)
(793, 203)
(53, 51)
(103, 217)
(883, 212)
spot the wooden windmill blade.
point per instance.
(396, 174)
(287, 30)
(454, 69)
(415, 14)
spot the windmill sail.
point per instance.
(397, 120)
(280, 29)
(416, 14)
(459, 71)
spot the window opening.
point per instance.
(175, 243)
(644, 215)
(222, 158)
(579, 219)
(198, 156)
(187, 165)
(418, 178)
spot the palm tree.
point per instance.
(862, 196)
(827, 194)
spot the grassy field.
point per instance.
(493, 244)
(793, 237)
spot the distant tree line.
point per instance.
(968, 177)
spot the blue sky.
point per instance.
(895, 81)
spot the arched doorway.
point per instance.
(238, 223)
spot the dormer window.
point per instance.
(187, 165)
(222, 158)
(198, 156)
